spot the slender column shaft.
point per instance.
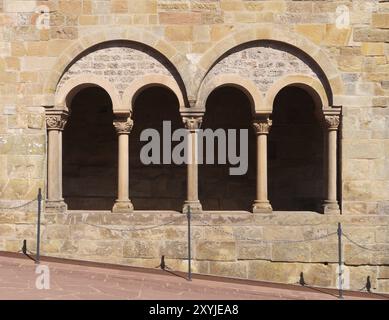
(192, 123)
(262, 127)
(262, 167)
(123, 128)
(330, 203)
(54, 164)
(332, 173)
(55, 122)
(123, 170)
(192, 172)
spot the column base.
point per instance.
(330, 207)
(55, 206)
(195, 207)
(262, 207)
(123, 206)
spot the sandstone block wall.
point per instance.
(196, 33)
(193, 36)
(250, 246)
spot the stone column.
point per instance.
(262, 126)
(55, 123)
(123, 126)
(192, 124)
(330, 204)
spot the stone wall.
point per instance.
(192, 36)
(239, 245)
(119, 65)
(261, 63)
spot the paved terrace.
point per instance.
(75, 280)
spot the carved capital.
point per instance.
(332, 122)
(262, 126)
(56, 121)
(192, 122)
(123, 125)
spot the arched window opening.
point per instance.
(156, 186)
(295, 153)
(90, 152)
(228, 108)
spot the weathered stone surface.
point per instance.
(215, 250)
(236, 269)
(277, 272)
(201, 41)
(383, 286)
(296, 252)
(319, 274)
(314, 32)
(179, 33)
(354, 255)
(179, 18)
(174, 249)
(370, 35)
(358, 277)
(267, 65)
(105, 248)
(324, 252)
(249, 250)
(373, 49)
(283, 233)
(7, 230)
(141, 249)
(380, 20)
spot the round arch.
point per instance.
(245, 85)
(278, 34)
(74, 85)
(115, 34)
(147, 81)
(313, 86)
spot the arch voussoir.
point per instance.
(146, 81)
(94, 38)
(270, 32)
(72, 86)
(245, 85)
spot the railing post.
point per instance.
(38, 233)
(340, 273)
(189, 247)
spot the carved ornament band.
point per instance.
(123, 126)
(332, 122)
(56, 121)
(192, 122)
(262, 126)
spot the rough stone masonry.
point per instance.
(79, 79)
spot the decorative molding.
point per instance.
(262, 126)
(332, 122)
(124, 125)
(56, 120)
(192, 122)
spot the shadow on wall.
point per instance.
(90, 152)
(295, 152)
(228, 108)
(155, 186)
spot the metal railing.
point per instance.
(239, 237)
(24, 249)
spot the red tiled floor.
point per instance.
(72, 281)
